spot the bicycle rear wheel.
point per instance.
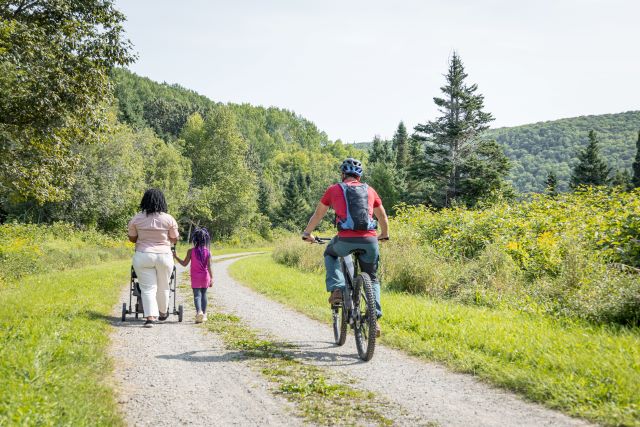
(366, 319)
(339, 325)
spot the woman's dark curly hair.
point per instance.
(153, 201)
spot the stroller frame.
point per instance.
(134, 291)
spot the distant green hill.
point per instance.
(538, 148)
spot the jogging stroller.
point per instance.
(134, 291)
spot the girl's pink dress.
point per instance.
(200, 277)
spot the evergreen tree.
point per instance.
(622, 179)
(591, 168)
(294, 210)
(551, 184)
(456, 163)
(388, 182)
(380, 151)
(264, 198)
(636, 165)
(400, 146)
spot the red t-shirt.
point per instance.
(334, 197)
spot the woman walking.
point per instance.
(153, 231)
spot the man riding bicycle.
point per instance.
(355, 205)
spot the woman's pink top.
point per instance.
(153, 231)
(200, 277)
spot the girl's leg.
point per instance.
(204, 300)
(197, 299)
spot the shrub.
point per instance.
(30, 248)
(573, 255)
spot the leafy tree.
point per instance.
(54, 63)
(457, 163)
(636, 165)
(224, 187)
(400, 146)
(591, 169)
(166, 117)
(551, 184)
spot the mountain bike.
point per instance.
(358, 306)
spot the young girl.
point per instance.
(201, 272)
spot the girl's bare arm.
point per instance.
(186, 260)
(210, 270)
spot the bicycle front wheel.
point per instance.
(366, 319)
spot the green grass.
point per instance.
(582, 369)
(54, 333)
(233, 250)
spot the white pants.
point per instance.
(153, 271)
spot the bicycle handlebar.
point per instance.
(323, 240)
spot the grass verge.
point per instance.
(584, 370)
(54, 333)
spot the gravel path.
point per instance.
(177, 374)
(426, 391)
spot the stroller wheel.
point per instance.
(124, 311)
(180, 313)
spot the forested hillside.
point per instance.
(539, 148)
(290, 159)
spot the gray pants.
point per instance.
(368, 260)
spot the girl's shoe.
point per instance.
(204, 317)
(149, 324)
(199, 317)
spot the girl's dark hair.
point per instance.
(153, 201)
(201, 240)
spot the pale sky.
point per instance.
(356, 68)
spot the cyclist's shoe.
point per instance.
(336, 297)
(378, 331)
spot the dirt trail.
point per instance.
(178, 373)
(427, 391)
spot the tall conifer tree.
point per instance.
(551, 184)
(457, 163)
(400, 146)
(591, 169)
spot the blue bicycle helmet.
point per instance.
(351, 166)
